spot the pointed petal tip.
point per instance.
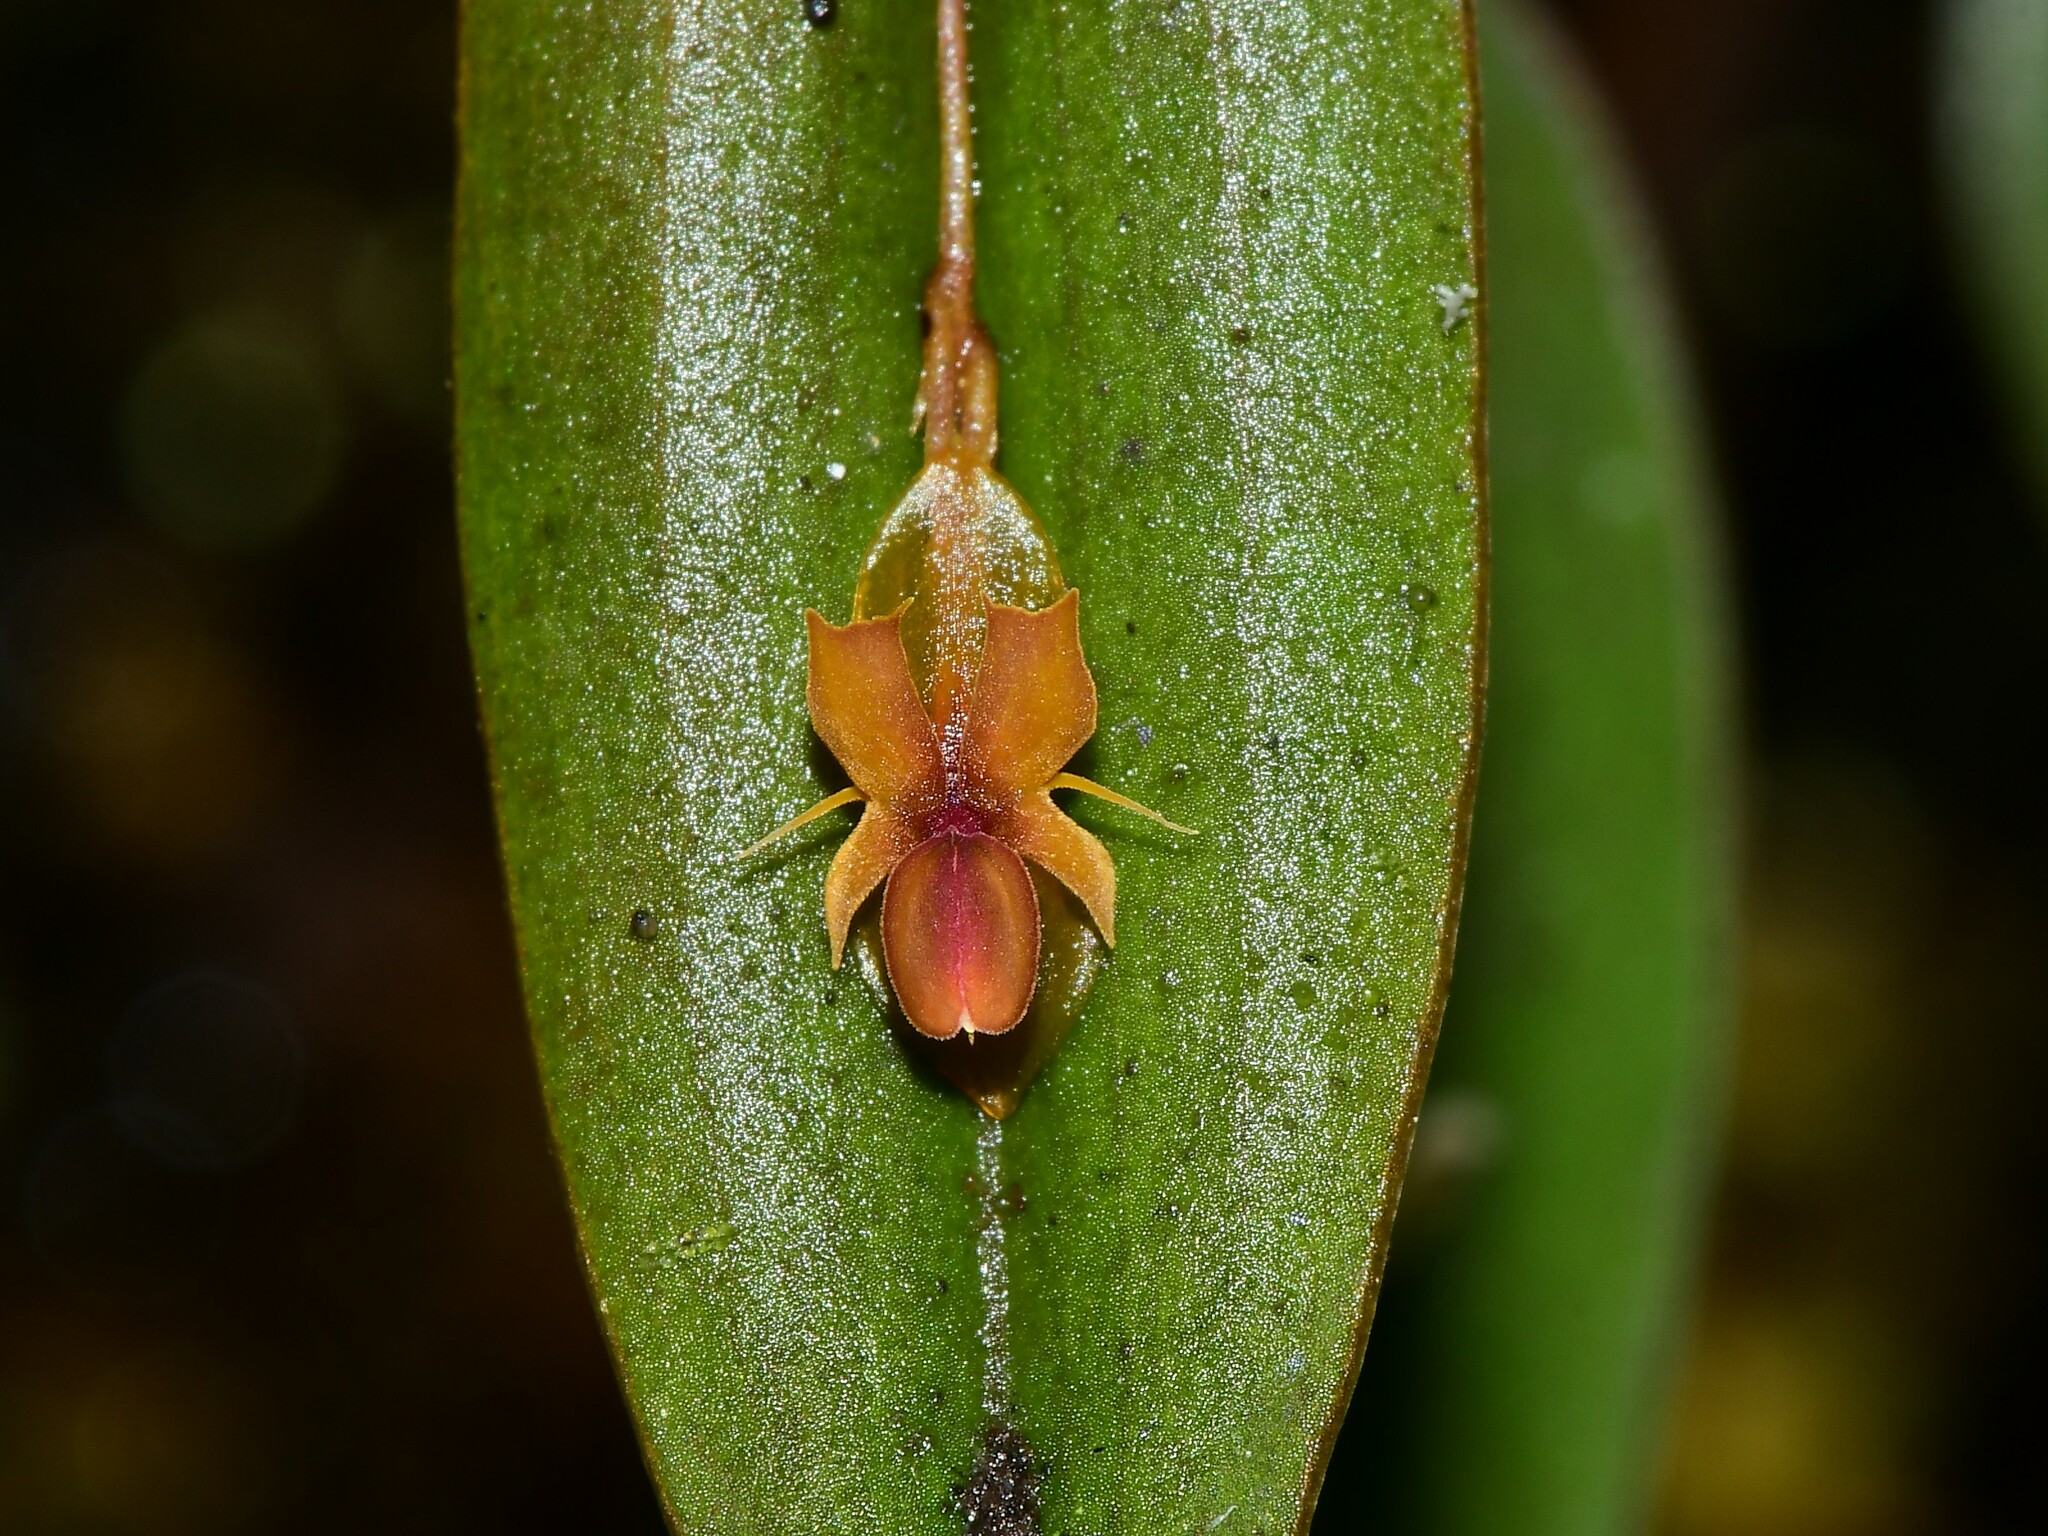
(830, 803)
(1104, 792)
(1034, 702)
(1050, 838)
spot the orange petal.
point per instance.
(865, 706)
(876, 845)
(1035, 702)
(960, 934)
(1066, 850)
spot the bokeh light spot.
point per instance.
(394, 321)
(157, 732)
(232, 433)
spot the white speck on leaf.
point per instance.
(1457, 303)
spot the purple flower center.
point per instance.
(956, 817)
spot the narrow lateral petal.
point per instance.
(877, 844)
(1034, 704)
(865, 706)
(960, 935)
(1066, 850)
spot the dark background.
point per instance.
(280, 1245)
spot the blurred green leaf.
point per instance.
(1520, 1366)
(1994, 139)
(691, 245)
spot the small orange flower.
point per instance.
(948, 815)
(951, 815)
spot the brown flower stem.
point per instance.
(956, 399)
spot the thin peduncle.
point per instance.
(956, 151)
(956, 399)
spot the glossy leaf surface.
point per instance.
(692, 240)
(1994, 136)
(1540, 1270)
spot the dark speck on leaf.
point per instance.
(1102, 388)
(1130, 625)
(1133, 451)
(803, 482)
(821, 13)
(1000, 1497)
(644, 925)
(1241, 335)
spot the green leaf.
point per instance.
(1994, 138)
(1520, 1366)
(691, 245)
